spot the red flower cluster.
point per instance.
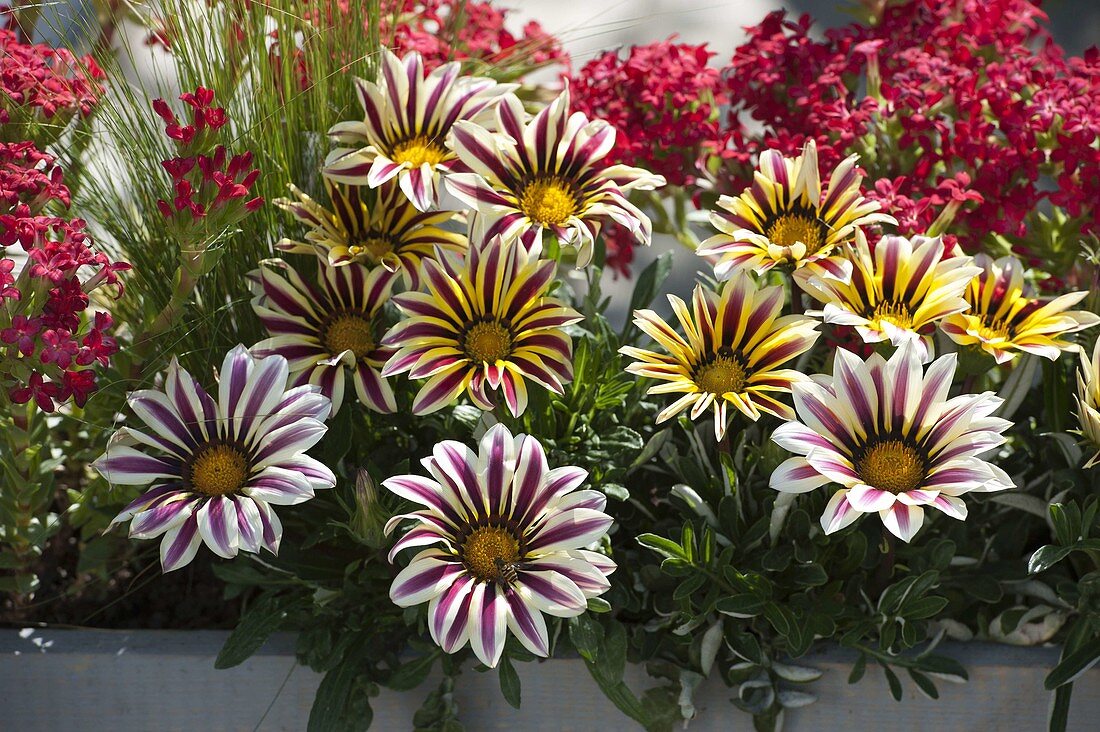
(459, 30)
(213, 189)
(948, 102)
(47, 342)
(39, 83)
(663, 101)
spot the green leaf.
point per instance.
(586, 635)
(924, 683)
(796, 674)
(332, 708)
(599, 605)
(944, 668)
(260, 620)
(894, 682)
(1046, 557)
(649, 282)
(1075, 664)
(509, 682)
(740, 606)
(1059, 710)
(809, 575)
(858, 669)
(410, 675)
(664, 547)
(923, 607)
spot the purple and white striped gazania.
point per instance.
(889, 434)
(549, 173)
(407, 117)
(217, 467)
(506, 539)
(328, 332)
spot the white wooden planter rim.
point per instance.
(57, 680)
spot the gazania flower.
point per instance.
(730, 355)
(1003, 319)
(407, 118)
(784, 219)
(485, 323)
(896, 293)
(370, 227)
(507, 538)
(218, 466)
(888, 434)
(1088, 401)
(327, 332)
(548, 173)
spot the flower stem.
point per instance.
(885, 570)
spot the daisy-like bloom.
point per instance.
(327, 332)
(506, 537)
(372, 227)
(548, 173)
(1005, 319)
(784, 219)
(485, 323)
(733, 346)
(217, 467)
(408, 116)
(896, 293)
(888, 434)
(1088, 401)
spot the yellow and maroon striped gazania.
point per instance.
(896, 293)
(547, 174)
(484, 324)
(1004, 319)
(730, 355)
(407, 117)
(327, 332)
(784, 219)
(373, 228)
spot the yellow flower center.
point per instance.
(791, 228)
(993, 330)
(722, 375)
(893, 466)
(348, 332)
(893, 312)
(417, 151)
(217, 470)
(548, 201)
(375, 246)
(488, 550)
(487, 342)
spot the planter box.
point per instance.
(62, 680)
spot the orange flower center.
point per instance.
(217, 470)
(348, 332)
(893, 466)
(417, 151)
(488, 551)
(548, 201)
(721, 376)
(792, 228)
(487, 342)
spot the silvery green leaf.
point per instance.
(795, 699)
(796, 674)
(708, 651)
